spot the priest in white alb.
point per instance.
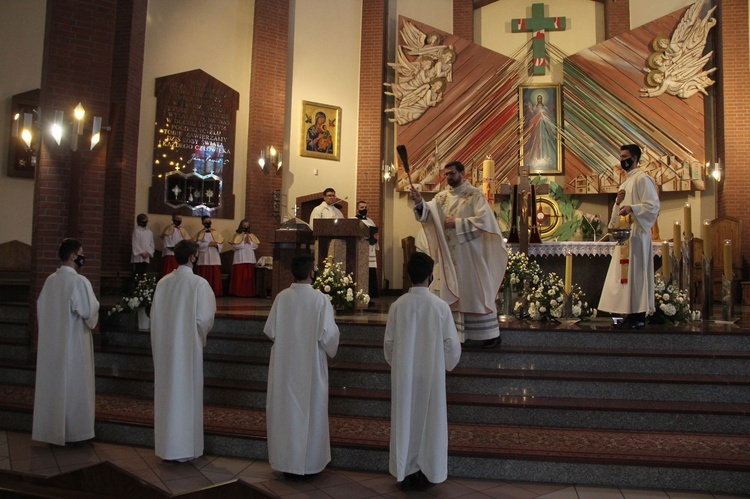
(421, 344)
(629, 285)
(182, 314)
(303, 332)
(67, 311)
(464, 238)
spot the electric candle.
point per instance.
(728, 258)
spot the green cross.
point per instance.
(538, 25)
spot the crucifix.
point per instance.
(523, 196)
(538, 25)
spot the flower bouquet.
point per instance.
(672, 304)
(139, 297)
(546, 301)
(520, 272)
(339, 287)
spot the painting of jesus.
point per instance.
(540, 119)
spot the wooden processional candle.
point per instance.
(728, 258)
(568, 273)
(688, 222)
(677, 239)
(666, 261)
(706, 236)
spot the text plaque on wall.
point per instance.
(194, 133)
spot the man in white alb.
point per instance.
(182, 314)
(463, 236)
(373, 248)
(421, 344)
(303, 332)
(143, 246)
(171, 235)
(629, 285)
(67, 311)
(326, 209)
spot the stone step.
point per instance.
(652, 459)
(11, 311)
(505, 356)
(16, 349)
(715, 417)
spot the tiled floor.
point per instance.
(19, 453)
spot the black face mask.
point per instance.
(362, 213)
(626, 164)
(176, 222)
(142, 223)
(207, 225)
(80, 259)
(246, 229)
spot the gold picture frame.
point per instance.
(540, 117)
(321, 131)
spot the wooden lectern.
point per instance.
(292, 238)
(354, 233)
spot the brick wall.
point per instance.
(370, 144)
(733, 128)
(267, 106)
(122, 141)
(616, 18)
(463, 19)
(68, 193)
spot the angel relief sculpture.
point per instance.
(424, 66)
(676, 66)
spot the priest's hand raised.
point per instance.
(415, 195)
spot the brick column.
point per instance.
(370, 146)
(463, 19)
(616, 17)
(268, 91)
(122, 143)
(68, 193)
(733, 129)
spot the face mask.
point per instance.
(207, 225)
(176, 222)
(625, 164)
(79, 261)
(141, 223)
(246, 229)
(362, 213)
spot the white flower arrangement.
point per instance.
(546, 301)
(140, 296)
(521, 272)
(672, 304)
(339, 286)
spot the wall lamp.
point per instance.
(24, 132)
(714, 170)
(388, 171)
(270, 156)
(56, 129)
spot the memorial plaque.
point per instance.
(194, 136)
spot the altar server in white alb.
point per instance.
(182, 314)
(67, 311)
(421, 344)
(464, 239)
(143, 246)
(303, 332)
(629, 286)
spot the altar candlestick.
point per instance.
(677, 240)
(706, 236)
(666, 261)
(568, 273)
(688, 222)
(728, 258)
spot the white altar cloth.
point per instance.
(577, 248)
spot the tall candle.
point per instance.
(706, 236)
(666, 261)
(568, 273)
(728, 258)
(677, 238)
(488, 176)
(688, 222)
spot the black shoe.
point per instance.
(632, 324)
(410, 482)
(422, 482)
(293, 477)
(491, 343)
